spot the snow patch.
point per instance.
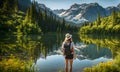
(61, 14)
(78, 16)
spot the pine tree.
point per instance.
(40, 18)
(9, 6)
(6, 6)
(31, 14)
(98, 19)
(45, 20)
(113, 17)
(63, 24)
(45, 15)
(27, 17)
(16, 5)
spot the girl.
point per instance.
(68, 50)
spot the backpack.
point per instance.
(67, 49)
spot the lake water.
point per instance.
(87, 55)
(46, 54)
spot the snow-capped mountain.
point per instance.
(57, 11)
(79, 13)
(118, 5)
(50, 12)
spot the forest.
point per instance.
(103, 25)
(26, 34)
(32, 21)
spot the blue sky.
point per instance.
(65, 4)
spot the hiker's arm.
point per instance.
(72, 49)
(62, 47)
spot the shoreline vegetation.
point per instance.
(16, 22)
(111, 42)
(13, 64)
(109, 26)
(103, 25)
(18, 53)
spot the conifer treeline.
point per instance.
(8, 22)
(8, 6)
(105, 25)
(48, 23)
(12, 20)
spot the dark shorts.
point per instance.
(69, 56)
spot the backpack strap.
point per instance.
(70, 45)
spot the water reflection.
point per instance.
(19, 46)
(18, 52)
(111, 42)
(92, 52)
(88, 54)
(44, 50)
(56, 63)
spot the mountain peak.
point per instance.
(80, 13)
(42, 5)
(94, 4)
(118, 5)
(75, 5)
(58, 11)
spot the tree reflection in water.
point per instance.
(108, 41)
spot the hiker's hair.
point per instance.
(68, 40)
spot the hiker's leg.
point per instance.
(71, 62)
(66, 65)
